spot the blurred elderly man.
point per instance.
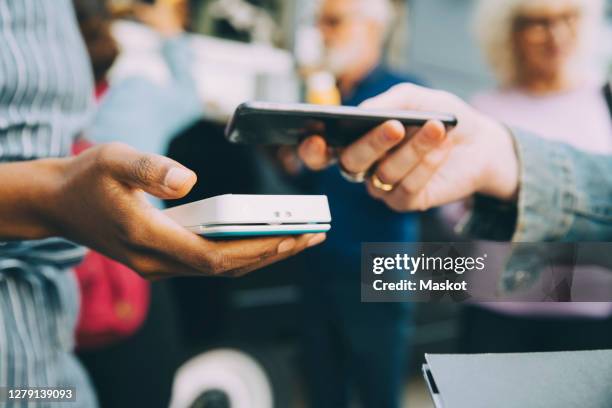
(353, 346)
(354, 34)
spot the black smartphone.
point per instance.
(264, 123)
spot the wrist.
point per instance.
(501, 176)
(45, 198)
(28, 195)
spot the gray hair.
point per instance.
(494, 27)
(381, 11)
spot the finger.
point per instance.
(315, 153)
(288, 159)
(413, 193)
(422, 174)
(376, 193)
(361, 155)
(157, 175)
(229, 263)
(240, 254)
(403, 160)
(404, 96)
(163, 268)
(161, 235)
(302, 243)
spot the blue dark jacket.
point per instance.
(357, 217)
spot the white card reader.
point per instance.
(234, 215)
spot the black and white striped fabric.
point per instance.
(46, 92)
(45, 79)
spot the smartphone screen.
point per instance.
(265, 123)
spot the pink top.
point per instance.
(579, 117)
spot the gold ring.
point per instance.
(377, 183)
(359, 177)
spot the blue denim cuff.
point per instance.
(544, 211)
(547, 190)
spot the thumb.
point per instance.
(156, 175)
(412, 97)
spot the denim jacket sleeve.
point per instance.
(565, 195)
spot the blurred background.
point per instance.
(170, 73)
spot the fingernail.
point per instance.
(434, 135)
(312, 148)
(392, 136)
(287, 245)
(316, 240)
(177, 177)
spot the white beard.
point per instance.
(338, 60)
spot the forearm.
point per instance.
(565, 195)
(26, 191)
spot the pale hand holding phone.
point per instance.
(432, 166)
(264, 123)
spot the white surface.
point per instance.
(227, 72)
(238, 375)
(292, 229)
(437, 401)
(253, 209)
(536, 380)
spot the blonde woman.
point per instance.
(541, 52)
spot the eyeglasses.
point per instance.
(538, 29)
(334, 22)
